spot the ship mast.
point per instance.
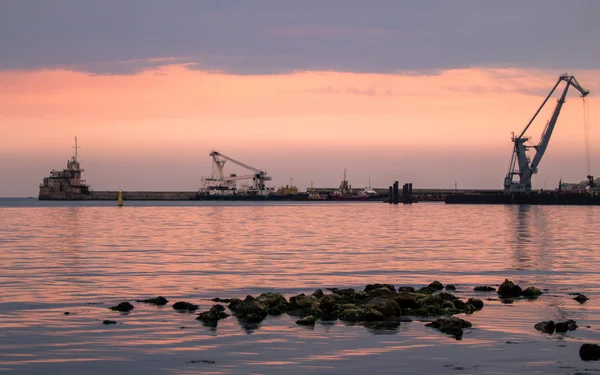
(76, 147)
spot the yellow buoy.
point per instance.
(120, 199)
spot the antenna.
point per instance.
(76, 147)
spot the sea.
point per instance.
(63, 264)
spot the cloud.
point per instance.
(272, 37)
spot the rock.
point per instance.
(347, 294)
(185, 306)
(318, 293)
(123, 307)
(484, 288)
(452, 326)
(581, 298)
(329, 306)
(351, 314)
(386, 307)
(275, 302)
(425, 290)
(222, 300)
(531, 292)
(460, 305)
(378, 286)
(308, 320)
(250, 309)
(545, 326)
(450, 287)
(107, 322)
(67, 313)
(476, 302)
(158, 301)
(431, 301)
(447, 296)
(372, 315)
(375, 293)
(589, 352)
(568, 325)
(406, 302)
(300, 301)
(406, 289)
(508, 289)
(436, 285)
(212, 316)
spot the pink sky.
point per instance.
(154, 130)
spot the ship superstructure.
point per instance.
(67, 183)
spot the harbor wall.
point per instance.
(127, 195)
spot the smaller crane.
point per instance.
(519, 164)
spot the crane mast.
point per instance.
(520, 164)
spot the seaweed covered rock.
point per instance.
(185, 306)
(581, 298)
(406, 289)
(450, 287)
(531, 292)
(351, 314)
(329, 306)
(212, 316)
(318, 293)
(432, 300)
(386, 307)
(379, 292)
(436, 285)
(308, 320)
(589, 352)
(484, 288)
(301, 301)
(158, 301)
(379, 286)
(508, 289)
(406, 301)
(451, 326)
(275, 302)
(122, 307)
(249, 309)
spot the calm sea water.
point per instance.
(82, 258)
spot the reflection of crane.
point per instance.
(519, 164)
(258, 177)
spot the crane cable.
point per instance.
(586, 131)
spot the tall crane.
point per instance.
(258, 177)
(520, 164)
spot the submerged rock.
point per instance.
(531, 292)
(568, 325)
(452, 326)
(581, 298)
(589, 352)
(185, 306)
(508, 289)
(546, 326)
(158, 301)
(222, 300)
(308, 320)
(122, 307)
(107, 322)
(476, 302)
(212, 316)
(484, 288)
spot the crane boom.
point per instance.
(258, 176)
(520, 158)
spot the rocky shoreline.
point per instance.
(378, 306)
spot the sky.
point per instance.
(425, 92)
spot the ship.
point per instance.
(66, 184)
(344, 193)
